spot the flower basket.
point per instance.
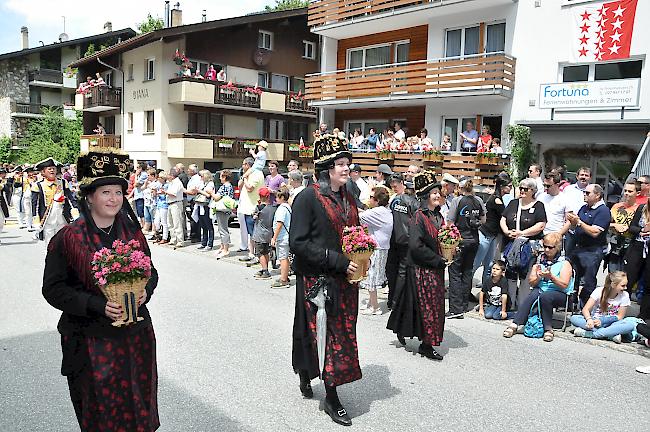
(306, 153)
(358, 247)
(362, 260)
(227, 144)
(126, 294)
(433, 157)
(294, 148)
(385, 155)
(250, 145)
(448, 251)
(486, 159)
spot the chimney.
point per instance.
(177, 15)
(108, 27)
(25, 33)
(166, 13)
(203, 16)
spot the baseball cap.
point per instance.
(264, 191)
(396, 177)
(355, 167)
(384, 169)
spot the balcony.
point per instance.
(107, 141)
(483, 74)
(199, 146)
(46, 78)
(99, 99)
(27, 109)
(342, 19)
(197, 92)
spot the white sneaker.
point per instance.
(617, 339)
(579, 332)
(643, 369)
(367, 311)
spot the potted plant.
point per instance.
(432, 155)
(293, 147)
(385, 154)
(305, 151)
(486, 158)
(226, 143)
(248, 144)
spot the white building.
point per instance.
(440, 64)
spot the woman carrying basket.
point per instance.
(111, 371)
(419, 310)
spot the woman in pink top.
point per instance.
(211, 74)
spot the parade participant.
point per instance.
(403, 207)
(4, 208)
(111, 371)
(17, 195)
(419, 309)
(53, 200)
(29, 178)
(315, 237)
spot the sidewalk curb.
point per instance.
(629, 348)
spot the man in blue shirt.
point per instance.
(470, 138)
(591, 225)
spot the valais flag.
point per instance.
(603, 31)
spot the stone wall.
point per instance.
(14, 80)
(5, 116)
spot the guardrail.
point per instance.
(46, 75)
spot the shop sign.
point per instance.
(590, 94)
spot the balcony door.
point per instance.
(361, 58)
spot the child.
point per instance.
(603, 317)
(496, 146)
(162, 208)
(280, 240)
(263, 232)
(149, 203)
(260, 158)
(495, 287)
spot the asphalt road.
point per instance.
(224, 344)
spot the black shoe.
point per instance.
(401, 339)
(451, 315)
(429, 352)
(306, 390)
(338, 414)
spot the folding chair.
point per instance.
(570, 292)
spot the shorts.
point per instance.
(139, 207)
(282, 251)
(262, 249)
(250, 224)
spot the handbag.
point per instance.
(225, 204)
(200, 199)
(534, 327)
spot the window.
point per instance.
(618, 70)
(149, 69)
(453, 126)
(309, 50)
(265, 40)
(130, 72)
(260, 128)
(108, 79)
(148, 122)
(263, 79)
(297, 85)
(204, 123)
(277, 129)
(129, 122)
(365, 125)
(461, 42)
(298, 130)
(496, 38)
(200, 66)
(402, 52)
(575, 73)
(370, 56)
(279, 82)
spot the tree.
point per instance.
(287, 4)
(53, 135)
(6, 154)
(150, 24)
(521, 149)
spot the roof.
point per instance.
(129, 32)
(146, 38)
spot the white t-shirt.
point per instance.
(176, 190)
(364, 188)
(400, 135)
(248, 200)
(613, 305)
(575, 197)
(556, 209)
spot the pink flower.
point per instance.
(102, 281)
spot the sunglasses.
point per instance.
(546, 186)
(523, 189)
(549, 247)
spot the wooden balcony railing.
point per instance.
(46, 75)
(28, 108)
(298, 104)
(237, 96)
(331, 11)
(492, 72)
(113, 141)
(102, 98)
(239, 147)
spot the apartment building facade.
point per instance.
(439, 64)
(166, 117)
(37, 77)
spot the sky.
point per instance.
(44, 18)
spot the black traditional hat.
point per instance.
(30, 168)
(328, 148)
(101, 167)
(424, 181)
(3, 170)
(49, 162)
(17, 168)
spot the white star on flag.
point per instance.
(616, 37)
(614, 49)
(618, 12)
(617, 24)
